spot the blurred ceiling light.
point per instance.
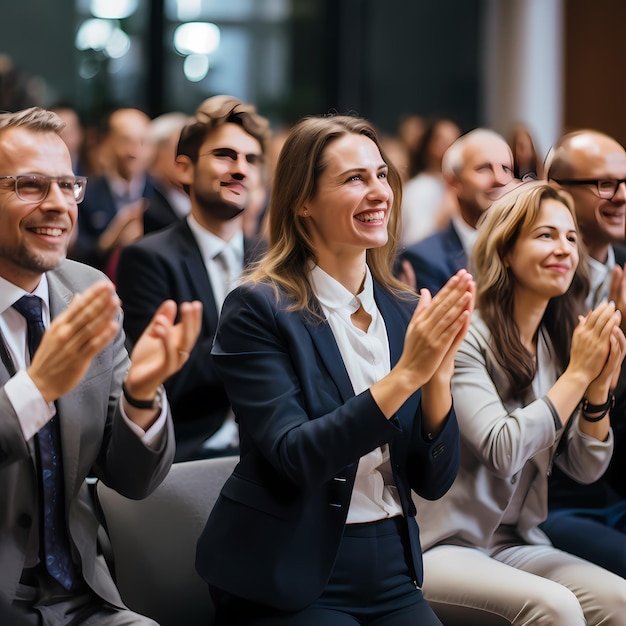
(197, 38)
(97, 34)
(93, 34)
(118, 44)
(188, 10)
(196, 67)
(113, 9)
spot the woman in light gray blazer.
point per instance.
(532, 387)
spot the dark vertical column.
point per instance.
(352, 57)
(155, 61)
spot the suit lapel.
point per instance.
(324, 340)
(197, 273)
(455, 249)
(394, 322)
(325, 343)
(69, 407)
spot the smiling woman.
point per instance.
(341, 387)
(525, 378)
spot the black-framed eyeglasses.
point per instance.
(35, 187)
(607, 187)
(229, 153)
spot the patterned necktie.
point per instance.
(57, 551)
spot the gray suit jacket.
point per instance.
(500, 436)
(95, 440)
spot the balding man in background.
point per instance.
(112, 213)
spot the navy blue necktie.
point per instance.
(57, 553)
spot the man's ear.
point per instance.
(453, 183)
(185, 168)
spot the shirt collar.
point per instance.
(332, 295)
(466, 234)
(10, 293)
(128, 190)
(599, 273)
(211, 245)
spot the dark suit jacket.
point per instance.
(95, 441)
(274, 532)
(168, 264)
(95, 214)
(436, 259)
(567, 493)
(159, 212)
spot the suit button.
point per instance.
(24, 520)
(513, 480)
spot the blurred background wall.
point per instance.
(551, 64)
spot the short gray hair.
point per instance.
(452, 162)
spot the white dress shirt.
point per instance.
(32, 411)
(210, 246)
(366, 357)
(600, 275)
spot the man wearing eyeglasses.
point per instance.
(220, 162)
(72, 403)
(590, 520)
(592, 167)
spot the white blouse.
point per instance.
(366, 357)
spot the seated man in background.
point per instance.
(167, 200)
(220, 155)
(478, 167)
(72, 404)
(112, 213)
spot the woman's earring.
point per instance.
(305, 213)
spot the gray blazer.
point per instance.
(499, 437)
(95, 440)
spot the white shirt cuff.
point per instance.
(153, 436)
(32, 411)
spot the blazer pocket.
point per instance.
(259, 497)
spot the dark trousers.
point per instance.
(596, 535)
(371, 584)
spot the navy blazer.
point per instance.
(168, 264)
(274, 532)
(436, 259)
(159, 212)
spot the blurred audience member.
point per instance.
(427, 202)
(72, 134)
(526, 160)
(17, 89)
(167, 200)
(398, 154)
(220, 155)
(411, 129)
(112, 213)
(479, 168)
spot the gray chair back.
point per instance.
(153, 542)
